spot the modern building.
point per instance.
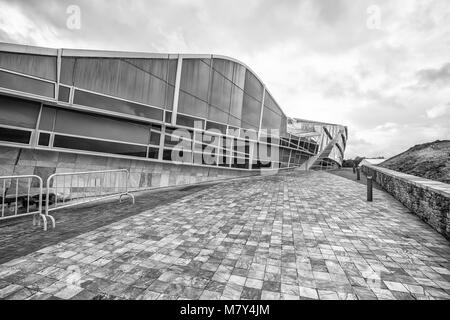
(331, 138)
(64, 110)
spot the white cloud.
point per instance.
(439, 111)
(317, 57)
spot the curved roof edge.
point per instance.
(318, 122)
(90, 53)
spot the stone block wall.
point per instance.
(428, 199)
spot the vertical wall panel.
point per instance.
(190, 105)
(224, 67)
(67, 67)
(237, 99)
(253, 87)
(34, 65)
(217, 115)
(251, 112)
(195, 78)
(270, 119)
(239, 75)
(18, 112)
(221, 92)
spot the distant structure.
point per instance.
(368, 161)
(331, 139)
(65, 110)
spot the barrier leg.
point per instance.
(369, 189)
(126, 194)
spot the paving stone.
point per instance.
(289, 236)
(308, 293)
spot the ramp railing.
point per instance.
(21, 195)
(74, 188)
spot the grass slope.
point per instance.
(429, 160)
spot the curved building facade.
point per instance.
(68, 110)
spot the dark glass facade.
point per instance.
(122, 105)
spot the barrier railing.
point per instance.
(24, 191)
(73, 188)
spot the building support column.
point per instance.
(261, 113)
(58, 73)
(176, 94)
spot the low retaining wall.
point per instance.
(428, 199)
(143, 174)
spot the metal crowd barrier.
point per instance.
(23, 192)
(73, 188)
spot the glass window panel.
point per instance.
(169, 96)
(172, 141)
(225, 67)
(97, 74)
(221, 92)
(111, 104)
(240, 163)
(136, 85)
(251, 112)
(253, 87)
(173, 63)
(168, 117)
(157, 93)
(78, 123)
(237, 98)
(186, 121)
(44, 139)
(239, 75)
(155, 138)
(153, 153)
(24, 84)
(190, 105)
(156, 67)
(212, 125)
(155, 127)
(34, 65)
(63, 94)
(99, 146)
(271, 104)
(167, 155)
(18, 112)
(217, 115)
(195, 78)
(13, 135)
(67, 66)
(283, 128)
(121, 78)
(271, 120)
(47, 118)
(234, 121)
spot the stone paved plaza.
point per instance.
(289, 236)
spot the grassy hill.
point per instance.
(429, 160)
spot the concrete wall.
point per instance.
(428, 199)
(143, 174)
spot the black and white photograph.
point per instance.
(234, 157)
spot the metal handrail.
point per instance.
(16, 197)
(86, 197)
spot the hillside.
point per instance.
(429, 160)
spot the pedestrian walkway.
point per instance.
(302, 235)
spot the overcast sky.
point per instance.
(380, 67)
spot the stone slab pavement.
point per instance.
(295, 235)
